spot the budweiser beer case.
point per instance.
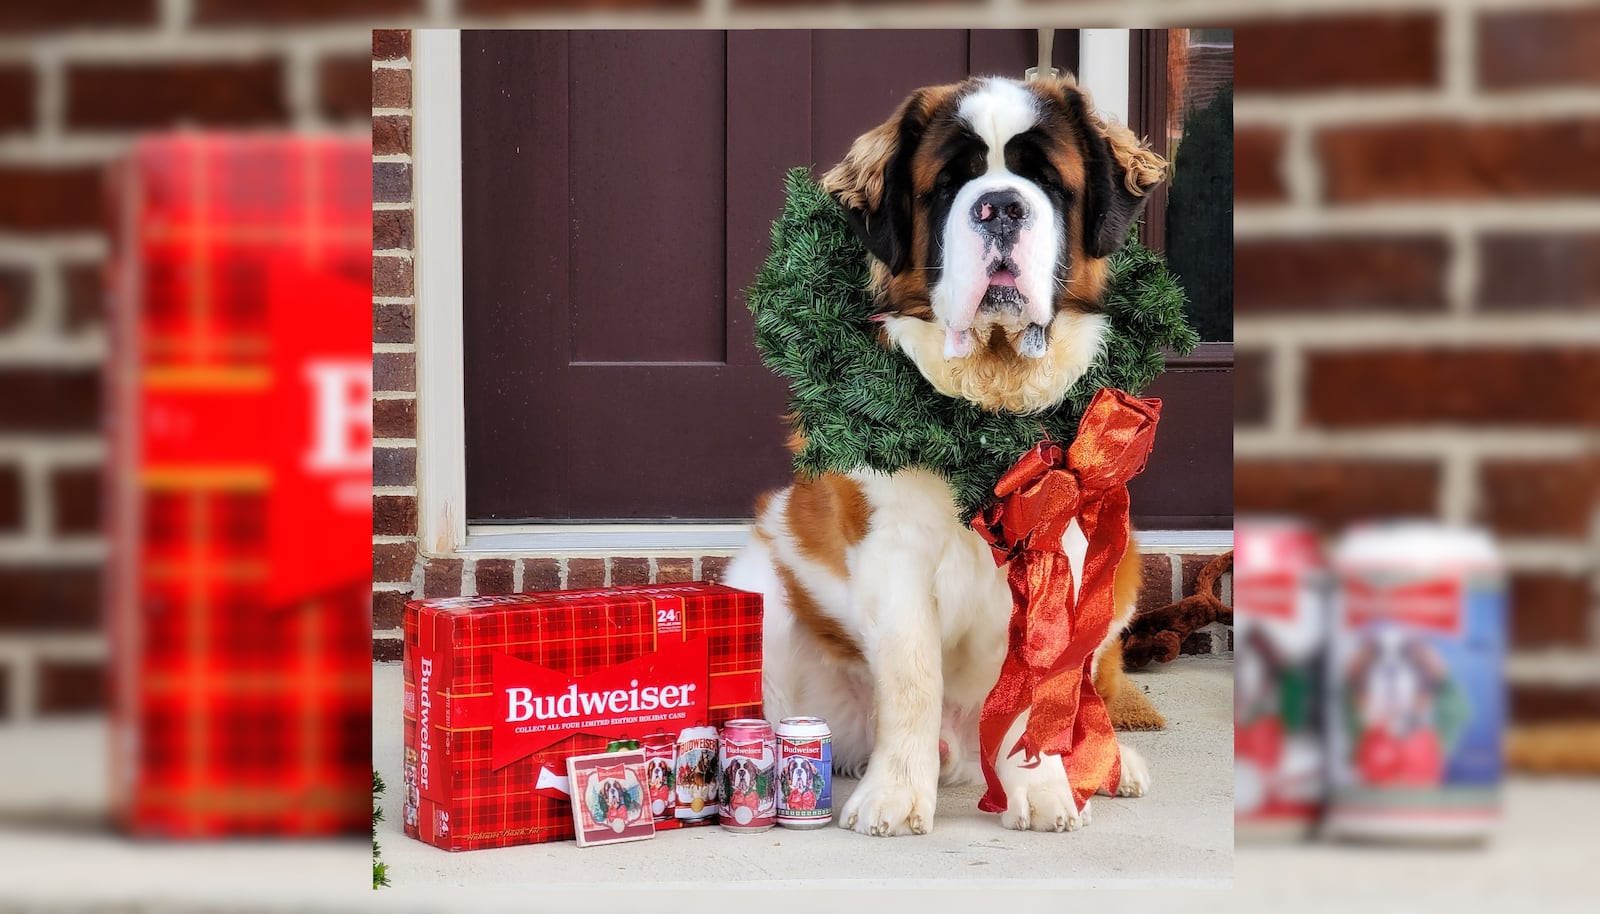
(238, 485)
(501, 691)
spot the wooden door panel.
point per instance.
(645, 182)
(1188, 482)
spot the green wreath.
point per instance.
(861, 404)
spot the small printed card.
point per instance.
(609, 804)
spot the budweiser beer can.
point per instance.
(805, 772)
(749, 765)
(1416, 691)
(660, 752)
(694, 780)
(1280, 602)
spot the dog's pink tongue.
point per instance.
(1002, 278)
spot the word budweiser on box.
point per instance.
(239, 485)
(500, 691)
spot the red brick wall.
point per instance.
(1417, 294)
(78, 81)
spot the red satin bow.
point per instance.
(1052, 638)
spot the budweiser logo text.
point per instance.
(808, 749)
(573, 704)
(1430, 605)
(424, 719)
(535, 706)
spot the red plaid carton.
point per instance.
(239, 485)
(501, 691)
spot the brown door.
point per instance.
(618, 191)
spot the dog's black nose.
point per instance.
(999, 211)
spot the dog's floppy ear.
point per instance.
(1121, 171)
(873, 183)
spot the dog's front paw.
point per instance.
(1135, 778)
(884, 809)
(1045, 807)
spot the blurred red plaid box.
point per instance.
(500, 691)
(239, 485)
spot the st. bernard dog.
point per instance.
(988, 208)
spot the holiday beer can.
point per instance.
(1280, 615)
(749, 763)
(660, 752)
(694, 779)
(805, 772)
(1416, 684)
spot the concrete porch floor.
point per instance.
(1180, 835)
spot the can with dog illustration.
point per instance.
(1416, 684)
(1280, 616)
(748, 762)
(660, 752)
(694, 776)
(805, 772)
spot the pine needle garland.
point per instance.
(861, 404)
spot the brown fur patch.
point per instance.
(826, 516)
(764, 501)
(811, 618)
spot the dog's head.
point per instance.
(799, 774)
(989, 208)
(744, 777)
(656, 772)
(611, 792)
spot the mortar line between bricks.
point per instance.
(394, 442)
(394, 490)
(1380, 108)
(298, 73)
(388, 207)
(24, 687)
(1458, 486)
(1461, 271)
(393, 347)
(1526, 215)
(1458, 45)
(1547, 554)
(1175, 586)
(403, 158)
(1288, 375)
(133, 46)
(176, 15)
(1555, 330)
(70, 449)
(394, 395)
(1496, 443)
(50, 95)
(391, 112)
(60, 247)
(389, 539)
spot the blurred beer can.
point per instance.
(1280, 601)
(1416, 690)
